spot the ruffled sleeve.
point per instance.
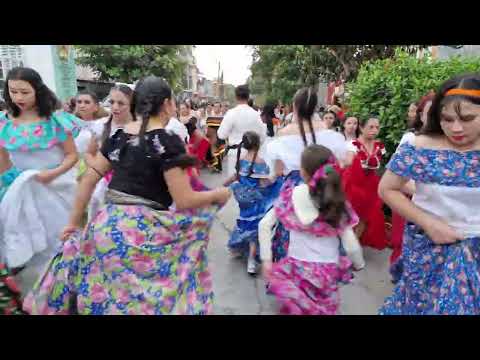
(403, 161)
(67, 124)
(41, 135)
(170, 149)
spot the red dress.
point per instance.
(360, 183)
(398, 226)
(199, 147)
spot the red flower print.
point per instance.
(38, 131)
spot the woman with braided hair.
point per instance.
(283, 152)
(145, 250)
(254, 193)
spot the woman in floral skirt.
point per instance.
(441, 244)
(145, 250)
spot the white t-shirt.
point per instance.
(175, 126)
(238, 121)
(289, 148)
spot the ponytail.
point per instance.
(239, 151)
(305, 101)
(329, 198)
(325, 185)
(250, 172)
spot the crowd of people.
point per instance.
(104, 212)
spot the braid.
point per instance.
(145, 115)
(239, 150)
(312, 130)
(107, 129)
(302, 131)
(250, 172)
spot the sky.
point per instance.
(235, 61)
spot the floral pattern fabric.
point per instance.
(285, 212)
(40, 135)
(436, 279)
(132, 260)
(307, 288)
(281, 239)
(10, 303)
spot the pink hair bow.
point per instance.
(323, 171)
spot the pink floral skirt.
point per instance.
(307, 288)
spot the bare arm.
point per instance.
(409, 188)
(69, 161)
(185, 197)
(279, 168)
(230, 180)
(91, 151)
(5, 162)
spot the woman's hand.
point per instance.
(46, 177)
(68, 231)
(222, 195)
(440, 232)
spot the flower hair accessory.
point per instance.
(323, 171)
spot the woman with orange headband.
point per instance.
(441, 243)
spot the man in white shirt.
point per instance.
(237, 121)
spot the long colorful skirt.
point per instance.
(307, 288)
(10, 303)
(131, 260)
(281, 238)
(254, 202)
(436, 279)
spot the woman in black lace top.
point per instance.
(145, 250)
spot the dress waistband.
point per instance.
(121, 198)
(468, 230)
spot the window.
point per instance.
(10, 57)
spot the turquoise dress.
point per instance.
(32, 214)
(254, 200)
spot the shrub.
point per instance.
(385, 88)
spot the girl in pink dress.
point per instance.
(318, 217)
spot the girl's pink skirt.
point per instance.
(308, 288)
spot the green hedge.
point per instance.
(385, 88)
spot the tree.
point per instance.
(129, 63)
(344, 61)
(386, 87)
(279, 70)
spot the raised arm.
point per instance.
(185, 197)
(99, 167)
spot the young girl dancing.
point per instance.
(316, 214)
(255, 194)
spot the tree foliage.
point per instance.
(386, 87)
(129, 63)
(279, 70)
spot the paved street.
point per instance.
(238, 293)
